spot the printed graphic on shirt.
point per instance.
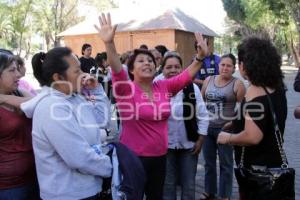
(215, 100)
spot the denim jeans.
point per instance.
(27, 192)
(210, 149)
(182, 166)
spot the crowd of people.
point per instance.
(51, 146)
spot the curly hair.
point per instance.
(262, 62)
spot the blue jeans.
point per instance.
(210, 148)
(27, 192)
(182, 166)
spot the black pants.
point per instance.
(155, 168)
(96, 197)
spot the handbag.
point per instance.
(263, 183)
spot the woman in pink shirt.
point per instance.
(144, 106)
(23, 84)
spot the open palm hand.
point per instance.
(105, 29)
(202, 49)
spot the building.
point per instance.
(173, 28)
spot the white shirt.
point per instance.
(177, 136)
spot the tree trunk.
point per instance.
(47, 40)
(295, 53)
(57, 42)
(28, 48)
(23, 25)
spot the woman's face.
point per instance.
(157, 57)
(172, 67)
(143, 67)
(226, 68)
(104, 63)
(87, 52)
(9, 79)
(73, 77)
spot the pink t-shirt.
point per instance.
(24, 85)
(144, 122)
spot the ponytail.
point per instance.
(37, 66)
(46, 64)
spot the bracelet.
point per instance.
(199, 59)
(228, 141)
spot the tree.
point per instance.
(14, 24)
(5, 28)
(101, 5)
(235, 10)
(55, 16)
(292, 9)
(269, 18)
(19, 19)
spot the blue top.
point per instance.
(210, 67)
(64, 130)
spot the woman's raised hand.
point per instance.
(106, 30)
(202, 48)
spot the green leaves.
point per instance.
(235, 10)
(277, 19)
(22, 20)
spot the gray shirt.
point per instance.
(220, 102)
(64, 129)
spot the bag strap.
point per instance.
(277, 133)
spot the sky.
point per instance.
(209, 12)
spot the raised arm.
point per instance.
(107, 33)
(202, 51)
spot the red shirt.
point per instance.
(17, 166)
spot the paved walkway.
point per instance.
(292, 139)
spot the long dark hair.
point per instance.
(6, 60)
